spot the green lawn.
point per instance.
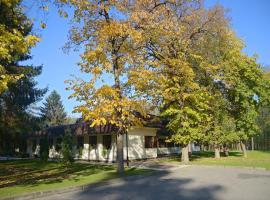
(257, 159)
(25, 176)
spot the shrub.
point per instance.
(80, 152)
(67, 145)
(44, 149)
(104, 152)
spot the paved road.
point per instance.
(192, 182)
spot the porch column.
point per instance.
(99, 147)
(37, 150)
(53, 149)
(85, 153)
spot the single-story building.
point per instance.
(99, 143)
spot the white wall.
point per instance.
(97, 153)
(136, 149)
(194, 147)
(136, 146)
(52, 151)
(29, 149)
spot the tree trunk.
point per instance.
(127, 149)
(120, 154)
(217, 151)
(184, 155)
(239, 148)
(119, 140)
(202, 147)
(189, 149)
(244, 150)
(226, 151)
(252, 144)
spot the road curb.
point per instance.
(40, 194)
(232, 167)
(164, 169)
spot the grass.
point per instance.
(26, 176)
(256, 159)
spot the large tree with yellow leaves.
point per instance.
(13, 40)
(109, 40)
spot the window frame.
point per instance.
(58, 145)
(150, 142)
(163, 144)
(50, 142)
(80, 142)
(107, 146)
(93, 145)
(34, 144)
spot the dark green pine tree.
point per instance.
(53, 112)
(15, 119)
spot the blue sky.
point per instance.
(250, 20)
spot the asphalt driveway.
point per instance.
(192, 182)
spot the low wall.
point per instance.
(168, 150)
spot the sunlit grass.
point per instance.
(256, 159)
(25, 176)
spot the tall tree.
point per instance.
(263, 122)
(15, 118)
(247, 90)
(221, 130)
(15, 40)
(53, 112)
(179, 40)
(18, 89)
(109, 38)
(190, 50)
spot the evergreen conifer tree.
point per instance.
(53, 112)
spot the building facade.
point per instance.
(99, 143)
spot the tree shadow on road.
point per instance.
(158, 186)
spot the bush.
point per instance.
(80, 152)
(67, 145)
(44, 149)
(104, 152)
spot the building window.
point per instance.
(150, 142)
(50, 143)
(44, 144)
(170, 144)
(80, 142)
(107, 141)
(34, 144)
(93, 142)
(58, 145)
(163, 144)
